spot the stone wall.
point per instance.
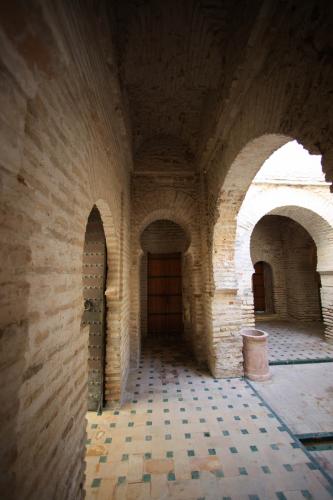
(63, 149)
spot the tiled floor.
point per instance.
(293, 340)
(302, 396)
(184, 435)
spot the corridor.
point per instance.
(154, 156)
(184, 435)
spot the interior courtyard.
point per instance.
(166, 176)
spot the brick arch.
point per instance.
(179, 207)
(113, 375)
(313, 212)
(244, 160)
(234, 188)
(164, 204)
(167, 214)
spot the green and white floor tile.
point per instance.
(184, 435)
(296, 342)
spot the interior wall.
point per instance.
(61, 152)
(302, 279)
(290, 251)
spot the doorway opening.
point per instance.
(165, 282)
(262, 286)
(94, 282)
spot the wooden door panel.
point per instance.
(165, 304)
(164, 286)
(258, 287)
(164, 294)
(154, 323)
(94, 265)
(174, 320)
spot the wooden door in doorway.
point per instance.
(259, 287)
(165, 310)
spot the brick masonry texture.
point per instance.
(311, 207)
(292, 255)
(150, 111)
(63, 150)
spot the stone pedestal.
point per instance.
(255, 352)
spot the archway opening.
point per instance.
(94, 316)
(296, 330)
(165, 282)
(290, 187)
(285, 257)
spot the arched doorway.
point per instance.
(94, 280)
(164, 291)
(292, 253)
(262, 287)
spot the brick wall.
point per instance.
(292, 255)
(311, 207)
(63, 149)
(164, 236)
(263, 109)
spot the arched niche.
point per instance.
(94, 316)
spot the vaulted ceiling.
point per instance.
(176, 61)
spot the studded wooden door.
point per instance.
(258, 281)
(94, 268)
(165, 311)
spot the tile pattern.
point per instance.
(302, 396)
(294, 340)
(184, 435)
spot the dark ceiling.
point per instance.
(176, 61)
